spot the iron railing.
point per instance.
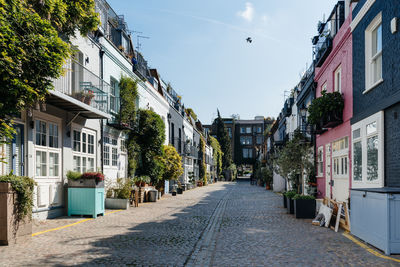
(83, 85)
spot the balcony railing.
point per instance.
(191, 151)
(83, 85)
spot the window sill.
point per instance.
(373, 86)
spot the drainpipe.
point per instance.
(101, 54)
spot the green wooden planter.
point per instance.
(86, 200)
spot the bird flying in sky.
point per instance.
(249, 40)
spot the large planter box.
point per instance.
(12, 232)
(179, 190)
(304, 208)
(85, 201)
(375, 217)
(85, 183)
(117, 203)
(290, 205)
(284, 201)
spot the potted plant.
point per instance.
(179, 190)
(290, 201)
(284, 200)
(85, 193)
(326, 111)
(88, 97)
(304, 206)
(118, 196)
(79, 95)
(16, 201)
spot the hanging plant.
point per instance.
(23, 186)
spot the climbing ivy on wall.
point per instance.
(202, 163)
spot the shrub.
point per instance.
(290, 194)
(71, 175)
(123, 188)
(298, 196)
(93, 175)
(23, 186)
(326, 103)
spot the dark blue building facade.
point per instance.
(375, 194)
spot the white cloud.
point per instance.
(248, 13)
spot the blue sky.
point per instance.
(200, 48)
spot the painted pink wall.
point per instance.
(341, 55)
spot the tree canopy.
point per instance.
(172, 162)
(217, 154)
(34, 45)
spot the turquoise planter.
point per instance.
(86, 201)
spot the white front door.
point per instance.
(328, 170)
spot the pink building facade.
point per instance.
(333, 147)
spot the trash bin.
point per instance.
(152, 195)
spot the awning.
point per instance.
(69, 103)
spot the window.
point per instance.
(340, 154)
(230, 132)
(47, 149)
(242, 130)
(114, 156)
(247, 153)
(106, 155)
(259, 130)
(123, 146)
(259, 140)
(83, 150)
(77, 141)
(246, 140)
(324, 87)
(367, 142)
(248, 130)
(338, 79)
(41, 163)
(41, 129)
(373, 53)
(114, 93)
(53, 135)
(320, 161)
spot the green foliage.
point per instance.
(129, 94)
(325, 104)
(217, 154)
(172, 162)
(71, 175)
(224, 141)
(290, 194)
(33, 51)
(150, 137)
(142, 179)
(202, 163)
(191, 114)
(23, 186)
(295, 160)
(298, 196)
(123, 188)
(128, 116)
(233, 169)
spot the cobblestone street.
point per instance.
(225, 224)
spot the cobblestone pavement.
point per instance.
(225, 224)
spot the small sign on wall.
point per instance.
(393, 25)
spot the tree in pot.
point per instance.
(304, 206)
(290, 201)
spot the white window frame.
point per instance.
(369, 58)
(84, 157)
(111, 142)
(379, 119)
(338, 79)
(47, 149)
(339, 157)
(320, 160)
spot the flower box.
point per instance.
(117, 203)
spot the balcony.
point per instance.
(191, 151)
(322, 51)
(80, 90)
